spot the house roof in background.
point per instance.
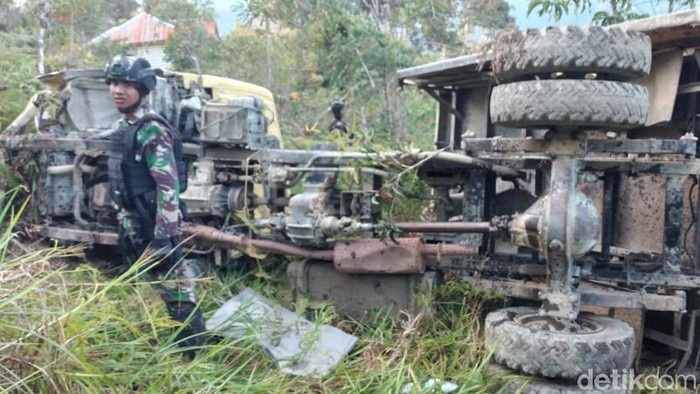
(142, 29)
(211, 27)
(145, 29)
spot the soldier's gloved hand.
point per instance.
(161, 248)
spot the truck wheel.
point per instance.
(575, 103)
(542, 345)
(619, 55)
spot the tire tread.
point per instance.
(625, 55)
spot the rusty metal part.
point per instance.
(361, 296)
(440, 250)
(365, 170)
(557, 238)
(511, 201)
(676, 30)
(406, 256)
(638, 208)
(85, 236)
(376, 256)
(673, 223)
(446, 227)
(79, 190)
(568, 229)
(591, 294)
(525, 228)
(239, 198)
(460, 158)
(536, 322)
(632, 163)
(474, 203)
(528, 229)
(226, 240)
(319, 158)
(675, 280)
(44, 141)
(582, 147)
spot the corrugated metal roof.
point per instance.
(146, 29)
(142, 29)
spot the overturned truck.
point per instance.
(601, 124)
(566, 174)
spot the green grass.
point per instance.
(68, 327)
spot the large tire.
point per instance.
(557, 354)
(620, 55)
(569, 103)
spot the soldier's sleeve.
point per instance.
(156, 148)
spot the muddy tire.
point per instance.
(618, 55)
(569, 103)
(557, 354)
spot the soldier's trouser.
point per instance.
(174, 280)
(176, 287)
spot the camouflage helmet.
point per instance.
(130, 69)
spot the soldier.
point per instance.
(146, 173)
(337, 108)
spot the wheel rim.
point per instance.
(582, 325)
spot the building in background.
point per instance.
(146, 35)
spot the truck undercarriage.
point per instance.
(565, 172)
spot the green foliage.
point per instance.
(420, 118)
(489, 14)
(12, 19)
(174, 10)
(403, 198)
(616, 11)
(99, 54)
(191, 41)
(17, 83)
(309, 53)
(68, 328)
(353, 49)
(191, 46)
(71, 24)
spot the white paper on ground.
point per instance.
(299, 346)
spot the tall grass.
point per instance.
(66, 327)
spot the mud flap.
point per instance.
(299, 346)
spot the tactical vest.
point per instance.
(338, 124)
(130, 179)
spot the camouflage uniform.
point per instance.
(154, 146)
(145, 167)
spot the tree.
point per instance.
(17, 83)
(616, 10)
(11, 19)
(490, 15)
(190, 48)
(174, 10)
(67, 25)
(352, 48)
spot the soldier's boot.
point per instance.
(190, 335)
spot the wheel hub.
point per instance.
(582, 325)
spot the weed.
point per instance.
(72, 328)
